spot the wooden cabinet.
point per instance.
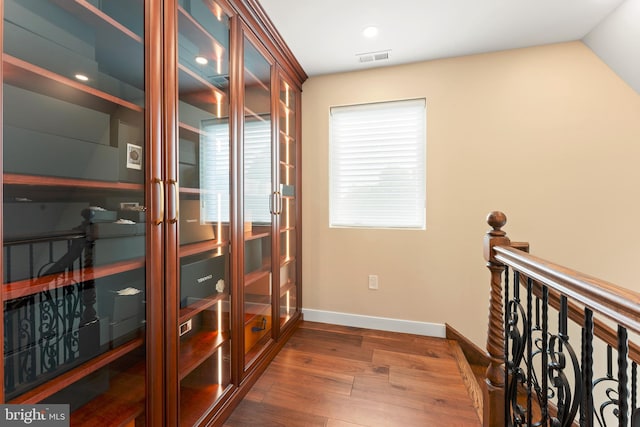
(151, 209)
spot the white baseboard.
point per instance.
(380, 323)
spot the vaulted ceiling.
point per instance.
(326, 36)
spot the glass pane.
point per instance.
(73, 214)
(204, 209)
(288, 231)
(258, 201)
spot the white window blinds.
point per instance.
(378, 165)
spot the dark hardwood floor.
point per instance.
(336, 376)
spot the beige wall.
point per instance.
(549, 135)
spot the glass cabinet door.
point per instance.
(74, 216)
(258, 201)
(288, 294)
(204, 361)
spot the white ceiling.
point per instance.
(326, 35)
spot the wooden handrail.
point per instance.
(616, 303)
(600, 329)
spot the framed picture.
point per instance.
(134, 156)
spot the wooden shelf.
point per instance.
(256, 233)
(26, 287)
(252, 114)
(286, 109)
(285, 229)
(189, 311)
(251, 354)
(287, 165)
(286, 261)
(197, 90)
(99, 20)
(31, 77)
(200, 247)
(256, 275)
(198, 348)
(190, 131)
(49, 181)
(261, 307)
(64, 380)
(286, 136)
(210, 47)
(196, 401)
(253, 80)
(120, 405)
(287, 286)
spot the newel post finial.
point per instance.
(494, 392)
(496, 236)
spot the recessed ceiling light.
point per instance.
(82, 77)
(202, 60)
(370, 32)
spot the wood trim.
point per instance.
(468, 377)
(168, 172)
(275, 189)
(236, 118)
(256, 18)
(155, 364)
(2, 296)
(474, 354)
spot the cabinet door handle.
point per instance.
(160, 202)
(175, 201)
(271, 203)
(279, 196)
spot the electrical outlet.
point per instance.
(185, 327)
(373, 281)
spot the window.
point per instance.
(377, 165)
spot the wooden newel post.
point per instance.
(493, 415)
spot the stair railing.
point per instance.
(558, 341)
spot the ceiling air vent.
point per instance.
(373, 56)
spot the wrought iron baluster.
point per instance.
(634, 386)
(529, 360)
(545, 355)
(569, 392)
(623, 405)
(518, 339)
(635, 415)
(586, 412)
(507, 369)
(537, 313)
(610, 391)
